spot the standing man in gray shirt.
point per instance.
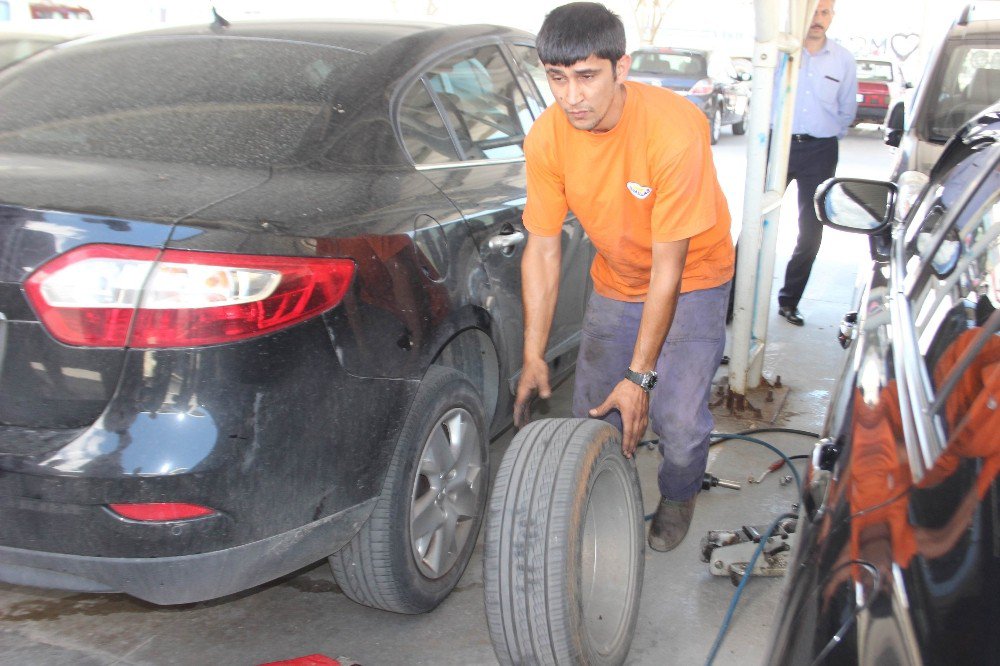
(824, 108)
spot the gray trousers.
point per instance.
(678, 405)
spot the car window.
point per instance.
(483, 103)
(670, 63)
(874, 70)
(229, 101)
(967, 82)
(528, 57)
(425, 136)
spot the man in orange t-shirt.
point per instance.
(634, 165)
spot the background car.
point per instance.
(879, 82)
(18, 41)
(897, 560)
(961, 78)
(266, 310)
(707, 78)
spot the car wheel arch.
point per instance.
(472, 352)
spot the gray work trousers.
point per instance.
(688, 361)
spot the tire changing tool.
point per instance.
(729, 551)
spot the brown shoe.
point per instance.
(670, 523)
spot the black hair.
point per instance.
(576, 31)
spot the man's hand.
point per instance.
(632, 403)
(534, 382)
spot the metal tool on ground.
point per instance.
(773, 467)
(711, 481)
(729, 551)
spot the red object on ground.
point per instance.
(309, 660)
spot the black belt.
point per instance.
(798, 138)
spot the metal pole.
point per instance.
(775, 63)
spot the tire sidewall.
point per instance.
(715, 125)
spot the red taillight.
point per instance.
(160, 511)
(703, 87)
(114, 295)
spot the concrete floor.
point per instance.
(682, 604)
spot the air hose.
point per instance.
(716, 438)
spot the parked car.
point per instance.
(707, 78)
(266, 310)
(879, 82)
(28, 10)
(961, 78)
(18, 41)
(897, 559)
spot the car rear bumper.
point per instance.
(187, 578)
(872, 114)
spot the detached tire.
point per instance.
(413, 549)
(564, 546)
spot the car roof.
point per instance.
(672, 49)
(974, 29)
(361, 36)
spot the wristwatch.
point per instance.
(645, 380)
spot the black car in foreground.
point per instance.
(260, 304)
(707, 78)
(898, 559)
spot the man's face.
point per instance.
(821, 19)
(588, 91)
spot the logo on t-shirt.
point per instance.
(637, 190)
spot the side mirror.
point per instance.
(856, 205)
(894, 125)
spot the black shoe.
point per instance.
(791, 315)
(670, 523)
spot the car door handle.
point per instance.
(502, 242)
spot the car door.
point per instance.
(487, 113)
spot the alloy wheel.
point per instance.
(446, 493)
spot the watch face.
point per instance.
(649, 381)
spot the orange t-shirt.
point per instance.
(649, 179)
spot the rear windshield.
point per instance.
(221, 101)
(874, 70)
(674, 63)
(966, 82)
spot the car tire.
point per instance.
(740, 128)
(715, 126)
(413, 549)
(564, 546)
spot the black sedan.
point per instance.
(898, 559)
(709, 79)
(260, 304)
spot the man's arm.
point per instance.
(847, 95)
(540, 267)
(629, 398)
